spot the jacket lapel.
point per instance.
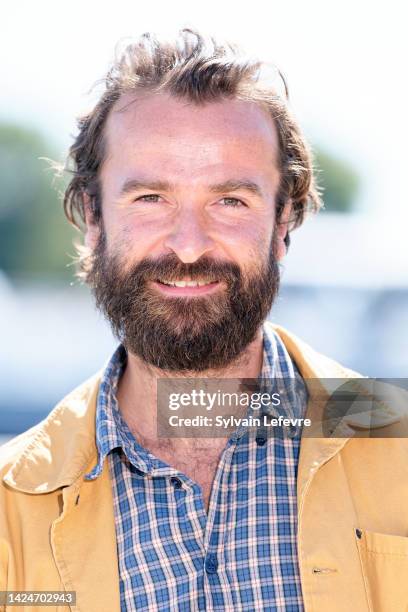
(316, 369)
(83, 540)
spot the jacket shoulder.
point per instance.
(310, 362)
(74, 402)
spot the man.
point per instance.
(189, 174)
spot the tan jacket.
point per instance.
(57, 531)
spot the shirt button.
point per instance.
(260, 440)
(211, 564)
(176, 482)
(292, 431)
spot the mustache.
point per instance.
(169, 268)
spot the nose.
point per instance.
(189, 238)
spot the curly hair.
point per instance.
(200, 70)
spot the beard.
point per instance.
(182, 334)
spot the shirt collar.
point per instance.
(113, 432)
(111, 429)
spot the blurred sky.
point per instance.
(346, 67)
(345, 63)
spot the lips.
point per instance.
(186, 288)
(186, 283)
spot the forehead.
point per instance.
(186, 138)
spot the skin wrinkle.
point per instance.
(132, 185)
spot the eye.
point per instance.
(232, 202)
(149, 197)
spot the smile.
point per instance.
(183, 283)
(186, 287)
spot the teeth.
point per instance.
(186, 283)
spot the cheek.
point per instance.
(249, 244)
(137, 236)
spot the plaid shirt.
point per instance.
(172, 556)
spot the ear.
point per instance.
(282, 230)
(92, 228)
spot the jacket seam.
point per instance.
(59, 560)
(300, 541)
(358, 521)
(380, 552)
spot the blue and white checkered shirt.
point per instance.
(172, 556)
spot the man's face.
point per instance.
(185, 267)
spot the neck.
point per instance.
(137, 389)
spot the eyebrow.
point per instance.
(132, 185)
(237, 185)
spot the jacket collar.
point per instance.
(62, 447)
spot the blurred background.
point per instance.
(345, 279)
